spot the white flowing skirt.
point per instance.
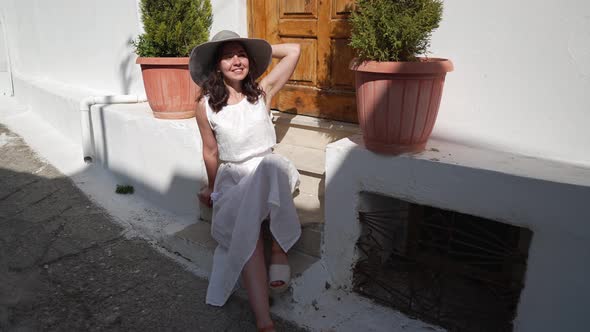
(245, 194)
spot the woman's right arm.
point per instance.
(209, 152)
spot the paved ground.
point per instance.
(66, 266)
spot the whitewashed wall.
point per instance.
(520, 84)
(86, 43)
(522, 76)
(3, 53)
(65, 50)
(230, 15)
(5, 76)
(78, 43)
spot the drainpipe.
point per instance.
(86, 122)
(6, 45)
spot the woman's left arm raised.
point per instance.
(280, 74)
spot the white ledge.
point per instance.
(550, 198)
(444, 152)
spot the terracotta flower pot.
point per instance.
(170, 91)
(397, 102)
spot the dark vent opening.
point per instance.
(461, 272)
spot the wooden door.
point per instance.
(322, 85)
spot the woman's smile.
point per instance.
(234, 62)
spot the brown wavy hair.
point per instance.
(214, 87)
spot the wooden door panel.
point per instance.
(297, 28)
(298, 8)
(305, 73)
(341, 8)
(319, 103)
(342, 54)
(340, 29)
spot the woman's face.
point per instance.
(233, 62)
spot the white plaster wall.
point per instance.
(162, 159)
(3, 50)
(86, 43)
(547, 197)
(79, 43)
(230, 15)
(5, 75)
(65, 50)
(527, 61)
(522, 76)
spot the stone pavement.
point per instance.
(65, 265)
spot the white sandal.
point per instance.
(279, 272)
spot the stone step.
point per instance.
(309, 208)
(310, 242)
(312, 184)
(310, 160)
(308, 201)
(312, 225)
(311, 215)
(195, 243)
(329, 130)
(310, 137)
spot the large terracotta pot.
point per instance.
(397, 102)
(171, 92)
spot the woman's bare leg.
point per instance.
(255, 280)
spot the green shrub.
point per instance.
(173, 27)
(124, 189)
(393, 30)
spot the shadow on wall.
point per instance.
(180, 197)
(130, 160)
(127, 68)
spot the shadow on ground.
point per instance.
(65, 265)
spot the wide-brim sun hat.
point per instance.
(202, 59)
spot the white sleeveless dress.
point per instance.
(251, 184)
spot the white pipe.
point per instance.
(6, 45)
(85, 121)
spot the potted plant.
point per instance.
(172, 29)
(397, 92)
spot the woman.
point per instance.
(246, 182)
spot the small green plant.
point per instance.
(124, 189)
(393, 30)
(173, 27)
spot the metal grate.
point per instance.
(458, 271)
